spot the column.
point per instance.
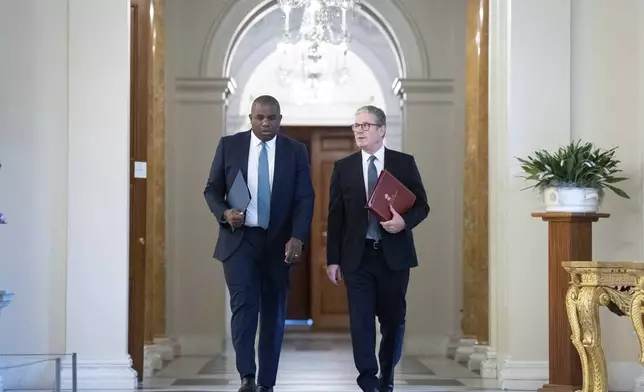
(529, 109)
(474, 343)
(159, 347)
(196, 279)
(98, 195)
(432, 124)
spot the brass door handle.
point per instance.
(142, 241)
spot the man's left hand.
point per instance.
(396, 224)
(293, 250)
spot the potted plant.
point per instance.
(574, 177)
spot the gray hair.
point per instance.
(381, 118)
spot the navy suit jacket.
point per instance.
(292, 194)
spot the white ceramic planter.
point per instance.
(571, 199)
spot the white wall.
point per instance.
(579, 78)
(64, 146)
(607, 74)
(33, 179)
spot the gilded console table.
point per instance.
(617, 285)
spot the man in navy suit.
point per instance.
(257, 246)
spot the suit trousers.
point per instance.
(374, 290)
(257, 278)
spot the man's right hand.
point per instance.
(334, 274)
(235, 218)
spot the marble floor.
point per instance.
(316, 362)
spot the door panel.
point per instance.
(138, 186)
(299, 295)
(329, 302)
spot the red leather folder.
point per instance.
(389, 192)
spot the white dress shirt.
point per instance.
(255, 149)
(379, 162)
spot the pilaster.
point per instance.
(200, 105)
(97, 223)
(432, 124)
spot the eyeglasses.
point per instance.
(364, 126)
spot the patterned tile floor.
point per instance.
(316, 363)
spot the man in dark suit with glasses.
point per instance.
(374, 258)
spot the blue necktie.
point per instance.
(373, 232)
(263, 189)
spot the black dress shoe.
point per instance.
(264, 389)
(386, 386)
(247, 385)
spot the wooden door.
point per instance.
(328, 302)
(138, 185)
(299, 296)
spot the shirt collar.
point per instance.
(255, 141)
(380, 155)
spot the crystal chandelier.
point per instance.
(315, 57)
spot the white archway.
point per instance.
(374, 55)
(339, 104)
(403, 36)
(400, 54)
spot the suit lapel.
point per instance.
(242, 154)
(281, 163)
(358, 176)
(388, 160)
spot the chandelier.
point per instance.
(314, 57)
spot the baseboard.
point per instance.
(168, 348)
(464, 350)
(452, 345)
(151, 360)
(200, 344)
(625, 377)
(523, 375)
(531, 375)
(489, 367)
(101, 373)
(479, 355)
(425, 345)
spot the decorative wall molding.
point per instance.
(465, 350)
(424, 91)
(204, 90)
(478, 357)
(523, 375)
(240, 16)
(489, 368)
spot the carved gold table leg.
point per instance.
(572, 298)
(582, 305)
(636, 319)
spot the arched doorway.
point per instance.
(375, 63)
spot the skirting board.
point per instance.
(101, 373)
(531, 375)
(200, 344)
